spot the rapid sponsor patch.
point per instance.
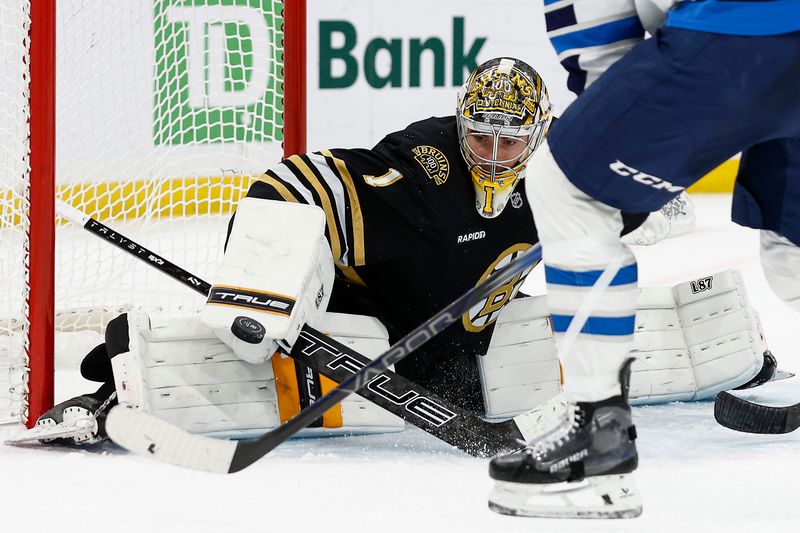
(474, 236)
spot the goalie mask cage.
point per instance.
(151, 115)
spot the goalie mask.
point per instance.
(503, 115)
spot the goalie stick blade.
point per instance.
(147, 435)
(740, 415)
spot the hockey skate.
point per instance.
(581, 468)
(79, 420)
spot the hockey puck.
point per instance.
(247, 329)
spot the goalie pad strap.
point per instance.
(292, 398)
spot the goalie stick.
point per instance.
(147, 435)
(402, 397)
(740, 415)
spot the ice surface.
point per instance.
(694, 474)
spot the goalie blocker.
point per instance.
(277, 272)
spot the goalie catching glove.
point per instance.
(276, 276)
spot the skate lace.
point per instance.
(104, 405)
(674, 208)
(559, 434)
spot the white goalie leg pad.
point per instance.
(369, 337)
(179, 370)
(694, 340)
(277, 270)
(594, 497)
(520, 370)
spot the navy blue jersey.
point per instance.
(677, 106)
(591, 35)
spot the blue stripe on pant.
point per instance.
(597, 325)
(587, 278)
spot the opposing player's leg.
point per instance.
(630, 146)
(766, 197)
(581, 468)
(780, 259)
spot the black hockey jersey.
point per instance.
(407, 239)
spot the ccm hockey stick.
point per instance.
(402, 397)
(740, 415)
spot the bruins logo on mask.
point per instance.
(487, 310)
(434, 162)
(505, 96)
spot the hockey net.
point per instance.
(165, 111)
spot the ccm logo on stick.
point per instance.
(646, 179)
(253, 300)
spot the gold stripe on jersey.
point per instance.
(384, 180)
(286, 388)
(351, 275)
(325, 200)
(285, 193)
(355, 209)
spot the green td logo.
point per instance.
(463, 57)
(217, 68)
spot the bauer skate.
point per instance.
(579, 469)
